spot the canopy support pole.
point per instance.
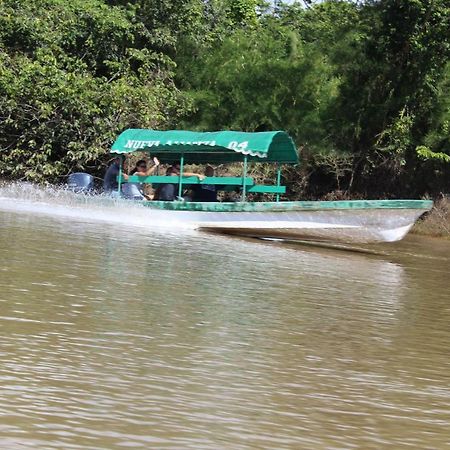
(278, 179)
(180, 184)
(244, 180)
(119, 183)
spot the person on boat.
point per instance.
(206, 192)
(169, 191)
(110, 183)
(141, 165)
(177, 168)
(141, 169)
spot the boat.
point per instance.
(361, 221)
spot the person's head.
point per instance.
(209, 171)
(116, 161)
(176, 166)
(171, 171)
(141, 165)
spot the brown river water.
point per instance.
(118, 334)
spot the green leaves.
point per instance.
(426, 153)
(263, 81)
(73, 74)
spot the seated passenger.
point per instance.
(206, 192)
(140, 166)
(141, 169)
(169, 191)
(176, 167)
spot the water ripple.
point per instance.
(113, 337)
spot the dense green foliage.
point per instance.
(362, 87)
(72, 76)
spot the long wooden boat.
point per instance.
(344, 221)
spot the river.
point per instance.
(117, 333)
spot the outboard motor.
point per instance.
(80, 182)
(131, 191)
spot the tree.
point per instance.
(72, 76)
(237, 86)
(388, 93)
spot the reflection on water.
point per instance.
(115, 336)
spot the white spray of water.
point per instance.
(60, 202)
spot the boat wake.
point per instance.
(349, 225)
(61, 202)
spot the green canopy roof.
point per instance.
(209, 147)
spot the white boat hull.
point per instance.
(351, 224)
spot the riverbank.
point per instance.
(436, 223)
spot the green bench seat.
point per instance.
(221, 181)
